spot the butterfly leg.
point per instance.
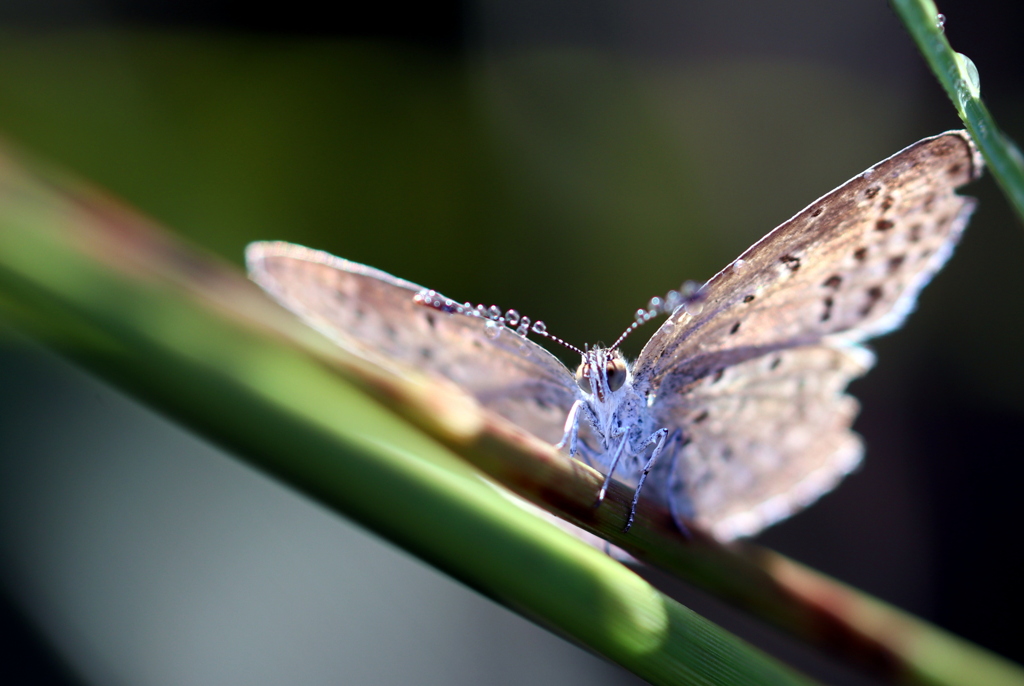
(611, 469)
(572, 428)
(658, 437)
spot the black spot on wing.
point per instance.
(871, 192)
(874, 294)
(817, 211)
(735, 328)
(833, 282)
(883, 225)
(895, 263)
(701, 416)
(791, 261)
(827, 312)
(748, 298)
(860, 254)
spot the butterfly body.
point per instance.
(737, 402)
(618, 415)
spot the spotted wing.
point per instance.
(846, 268)
(763, 439)
(372, 314)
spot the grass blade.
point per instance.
(961, 81)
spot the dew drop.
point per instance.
(524, 326)
(494, 312)
(739, 265)
(693, 298)
(640, 316)
(539, 327)
(492, 329)
(512, 317)
(940, 22)
(672, 300)
(969, 78)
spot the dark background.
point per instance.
(566, 158)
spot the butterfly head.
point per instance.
(602, 373)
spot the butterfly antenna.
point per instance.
(690, 295)
(496, 319)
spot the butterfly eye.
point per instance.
(583, 377)
(616, 371)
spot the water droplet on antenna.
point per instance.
(672, 300)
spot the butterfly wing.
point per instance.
(372, 314)
(755, 379)
(764, 439)
(848, 267)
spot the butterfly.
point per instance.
(736, 407)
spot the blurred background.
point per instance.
(567, 158)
